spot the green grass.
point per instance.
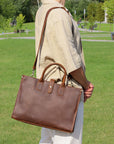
(17, 57)
(97, 38)
(92, 33)
(29, 34)
(26, 26)
(84, 35)
(101, 27)
(96, 35)
(98, 120)
(105, 27)
(30, 26)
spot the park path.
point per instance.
(95, 35)
(34, 38)
(7, 33)
(97, 40)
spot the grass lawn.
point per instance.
(97, 38)
(96, 35)
(98, 113)
(29, 34)
(101, 27)
(92, 33)
(84, 35)
(105, 27)
(30, 26)
(17, 57)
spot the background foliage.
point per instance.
(94, 11)
(109, 7)
(78, 6)
(12, 8)
(20, 21)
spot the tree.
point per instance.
(109, 7)
(78, 6)
(71, 5)
(91, 11)
(81, 6)
(27, 8)
(12, 8)
(7, 8)
(99, 12)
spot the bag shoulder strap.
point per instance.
(42, 32)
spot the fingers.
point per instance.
(88, 92)
(89, 89)
(91, 85)
(88, 96)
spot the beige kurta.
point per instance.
(61, 44)
(61, 41)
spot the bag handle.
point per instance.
(42, 33)
(64, 77)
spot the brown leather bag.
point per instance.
(46, 103)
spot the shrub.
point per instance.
(20, 20)
(4, 23)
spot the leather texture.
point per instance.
(54, 108)
(46, 103)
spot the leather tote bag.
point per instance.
(46, 103)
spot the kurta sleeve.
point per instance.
(64, 41)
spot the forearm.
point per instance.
(79, 76)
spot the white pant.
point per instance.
(49, 136)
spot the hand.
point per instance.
(88, 92)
